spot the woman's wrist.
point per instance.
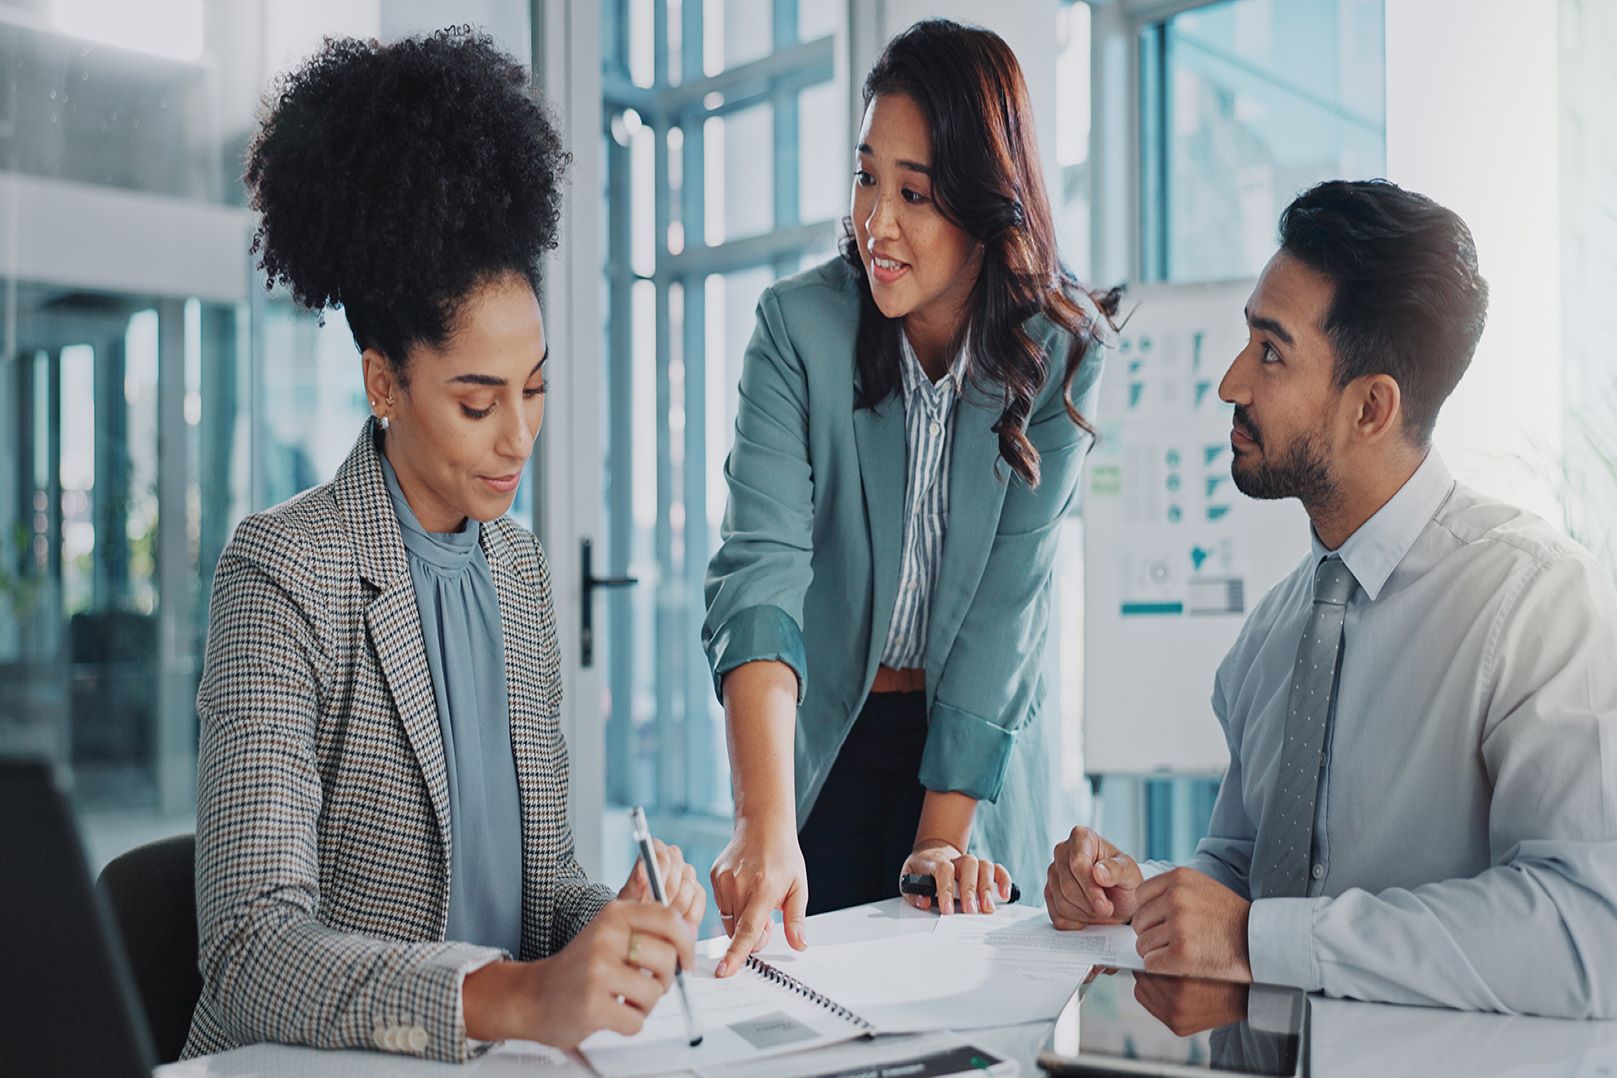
(946, 819)
(767, 819)
(489, 997)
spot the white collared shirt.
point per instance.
(1465, 842)
(929, 409)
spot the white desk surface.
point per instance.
(1348, 1038)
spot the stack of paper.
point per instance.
(967, 972)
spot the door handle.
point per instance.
(587, 577)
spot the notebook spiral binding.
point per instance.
(778, 976)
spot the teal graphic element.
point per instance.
(1214, 482)
(1216, 511)
(1138, 609)
(1211, 453)
(1198, 557)
(1202, 389)
(1135, 390)
(1174, 514)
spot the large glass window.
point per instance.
(724, 129)
(151, 392)
(1070, 202)
(1243, 104)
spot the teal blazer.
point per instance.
(808, 567)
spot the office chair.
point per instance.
(67, 997)
(152, 893)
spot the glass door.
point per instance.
(723, 146)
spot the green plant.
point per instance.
(20, 591)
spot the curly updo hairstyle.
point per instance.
(986, 179)
(392, 180)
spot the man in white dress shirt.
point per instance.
(1421, 801)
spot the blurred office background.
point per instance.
(152, 392)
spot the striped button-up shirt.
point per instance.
(928, 437)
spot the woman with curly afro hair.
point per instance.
(383, 854)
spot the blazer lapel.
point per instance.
(975, 496)
(394, 624)
(879, 439)
(391, 619)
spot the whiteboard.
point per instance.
(1174, 556)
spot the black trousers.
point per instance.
(863, 823)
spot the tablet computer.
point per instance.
(1151, 1023)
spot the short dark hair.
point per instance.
(393, 180)
(1408, 301)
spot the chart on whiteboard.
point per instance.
(1172, 477)
(1175, 555)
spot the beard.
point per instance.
(1301, 470)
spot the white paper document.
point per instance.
(1027, 936)
(743, 1017)
(972, 971)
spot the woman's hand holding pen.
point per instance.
(685, 895)
(609, 977)
(969, 883)
(976, 884)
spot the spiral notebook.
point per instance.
(759, 1012)
(892, 975)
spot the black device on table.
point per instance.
(922, 886)
(1133, 1022)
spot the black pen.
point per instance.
(654, 877)
(914, 883)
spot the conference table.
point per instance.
(1348, 1038)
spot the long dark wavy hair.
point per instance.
(986, 180)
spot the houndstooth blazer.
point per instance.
(322, 802)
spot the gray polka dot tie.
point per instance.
(1282, 861)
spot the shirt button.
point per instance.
(418, 1040)
(1319, 872)
(936, 427)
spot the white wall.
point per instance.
(1472, 120)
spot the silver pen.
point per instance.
(648, 857)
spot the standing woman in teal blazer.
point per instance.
(910, 431)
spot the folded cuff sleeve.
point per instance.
(965, 753)
(1280, 942)
(755, 633)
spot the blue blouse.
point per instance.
(460, 626)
